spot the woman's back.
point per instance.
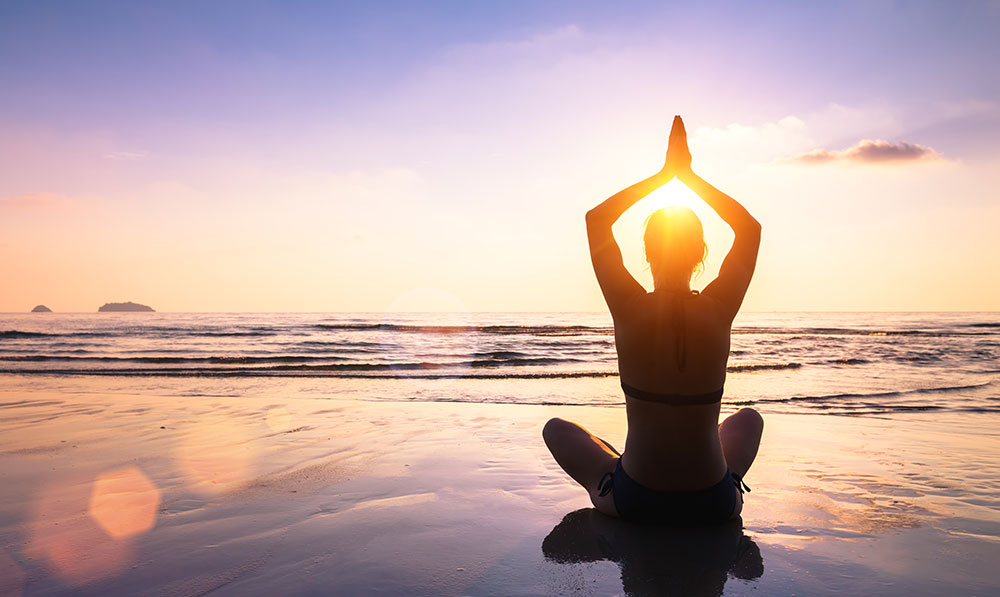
(673, 344)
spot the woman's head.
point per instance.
(674, 243)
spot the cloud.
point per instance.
(738, 143)
(36, 201)
(125, 156)
(869, 152)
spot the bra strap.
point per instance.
(677, 399)
(681, 344)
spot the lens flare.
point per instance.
(124, 502)
(69, 541)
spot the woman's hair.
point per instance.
(674, 243)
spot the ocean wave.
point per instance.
(294, 362)
(304, 365)
(848, 361)
(761, 367)
(869, 395)
(20, 334)
(773, 331)
(141, 333)
(219, 360)
(335, 344)
(538, 330)
(375, 371)
(500, 355)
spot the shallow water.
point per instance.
(836, 363)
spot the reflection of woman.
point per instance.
(679, 465)
(657, 560)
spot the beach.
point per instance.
(259, 454)
(273, 494)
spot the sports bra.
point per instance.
(681, 351)
(674, 399)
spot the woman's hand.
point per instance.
(678, 155)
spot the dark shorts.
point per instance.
(639, 503)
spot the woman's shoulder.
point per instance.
(662, 306)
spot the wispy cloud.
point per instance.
(36, 201)
(869, 152)
(125, 156)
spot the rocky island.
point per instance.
(123, 307)
(41, 309)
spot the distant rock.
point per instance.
(119, 307)
(41, 309)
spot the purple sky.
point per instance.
(321, 156)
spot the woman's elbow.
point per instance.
(749, 230)
(594, 217)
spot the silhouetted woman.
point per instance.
(679, 465)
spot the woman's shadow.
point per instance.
(657, 560)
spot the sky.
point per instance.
(327, 156)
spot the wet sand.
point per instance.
(114, 493)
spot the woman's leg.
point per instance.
(584, 456)
(740, 434)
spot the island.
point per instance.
(41, 309)
(120, 307)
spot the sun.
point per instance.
(674, 192)
(628, 230)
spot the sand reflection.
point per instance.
(278, 419)
(216, 455)
(657, 560)
(12, 577)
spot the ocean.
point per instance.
(865, 364)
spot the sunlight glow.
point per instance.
(69, 540)
(629, 228)
(124, 502)
(676, 193)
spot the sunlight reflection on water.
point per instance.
(216, 455)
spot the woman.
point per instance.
(679, 464)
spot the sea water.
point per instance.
(834, 363)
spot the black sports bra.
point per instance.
(681, 351)
(674, 399)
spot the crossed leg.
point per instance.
(584, 456)
(740, 436)
(587, 458)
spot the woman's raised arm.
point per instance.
(738, 267)
(616, 283)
